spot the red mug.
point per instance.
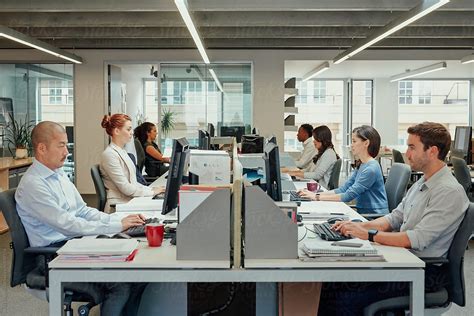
(312, 186)
(154, 234)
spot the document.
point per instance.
(89, 246)
(319, 247)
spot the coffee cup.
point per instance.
(312, 186)
(154, 234)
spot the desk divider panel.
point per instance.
(269, 233)
(205, 233)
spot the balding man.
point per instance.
(52, 210)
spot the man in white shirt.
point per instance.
(305, 132)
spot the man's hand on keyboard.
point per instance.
(354, 229)
(132, 220)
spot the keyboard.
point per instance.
(294, 197)
(159, 196)
(325, 232)
(139, 231)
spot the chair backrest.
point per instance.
(140, 154)
(397, 156)
(461, 173)
(99, 187)
(456, 288)
(333, 182)
(396, 184)
(21, 263)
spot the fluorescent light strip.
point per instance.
(182, 6)
(467, 59)
(218, 83)
(407, 18)
(37, 44)
(316, 71)
(419, 72)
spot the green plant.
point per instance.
(167, 121)
(18, 133)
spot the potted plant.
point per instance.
(18, 136)
(167, 121)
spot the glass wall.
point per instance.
(39, 92)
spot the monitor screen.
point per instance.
(211, 130)
(234, 131)
(175, 174)
(271, 157)
(462, 143)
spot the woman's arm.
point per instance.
(150, 150)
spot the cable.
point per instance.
(305, 233)
(225, 305)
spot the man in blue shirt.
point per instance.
(52, 210)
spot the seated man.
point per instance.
(304, 135)
(425, 222)
(52, 211)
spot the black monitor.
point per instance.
(211, 130)
(272, 139)
(271, 156)
(179, 158)
(252, 144)
(234, 131)
(462, 145)
(70, 134)
(203, 140)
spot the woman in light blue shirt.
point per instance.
(365, 185)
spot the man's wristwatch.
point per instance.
(372, 233)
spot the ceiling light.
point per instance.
(316, 71)
(218, 83)
(419, 71)
(405, 19)
(182, 6)
(40, 45)
(467, 59)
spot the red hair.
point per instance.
(110, 122)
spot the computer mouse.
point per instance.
(356, 220)
(333, 220)
(121, 236)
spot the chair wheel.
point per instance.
(83, 310)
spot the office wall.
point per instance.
(268, 75)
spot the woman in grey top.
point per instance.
(323, 163)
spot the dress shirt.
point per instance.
(307, 155)
(322, 170)
(430, 213)
(52, 210)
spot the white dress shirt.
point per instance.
(307, 155)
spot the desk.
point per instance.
(8, 166)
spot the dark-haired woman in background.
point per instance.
(323, 163)
(366, 183)
(146, 134)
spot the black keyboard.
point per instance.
(139, 231)
(325, 232)
(294, 197)
(159, 196)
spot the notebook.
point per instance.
(89, 246)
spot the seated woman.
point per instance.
(366, 183)
(117, 169)
(323, 163)
(154, 159)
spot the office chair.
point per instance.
(153, 169)
(397, 156)
(99, 187)
(462, 174)
(27, 261)
(455, 291)
(333, 182)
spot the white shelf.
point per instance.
(291, 128)
(291, 110)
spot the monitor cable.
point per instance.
(225, 305)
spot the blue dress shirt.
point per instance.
(52, 210)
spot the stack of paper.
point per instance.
(323, 250)
(95, 250)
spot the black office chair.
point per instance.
(455, 291)
(333, 182)
(99, 187)
(153, 168)
(463, 175)
(397, 156)
(27, 261)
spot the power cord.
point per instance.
(225, 305)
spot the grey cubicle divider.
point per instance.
(205, 233)
(269, 233)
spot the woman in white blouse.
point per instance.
(323, 163)
(117, 169)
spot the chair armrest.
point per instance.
(41, 250)
(434, 260)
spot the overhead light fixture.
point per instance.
(467, 59)
(424, 8)
(419, 71)
(316, 71)
(218, 83)
(182, 6)
(40, 45)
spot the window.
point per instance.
(361, 110)
(368, 92)
(319, 92)
(424, 92)
(302, 96)
(55, 91)
(405, 92)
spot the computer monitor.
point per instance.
(70, 134)
(211, 130)
(272, 139)
(179, 158)
(203, 140)
(271, 156)
(252, 144)
(462, 145)
(235, 131)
